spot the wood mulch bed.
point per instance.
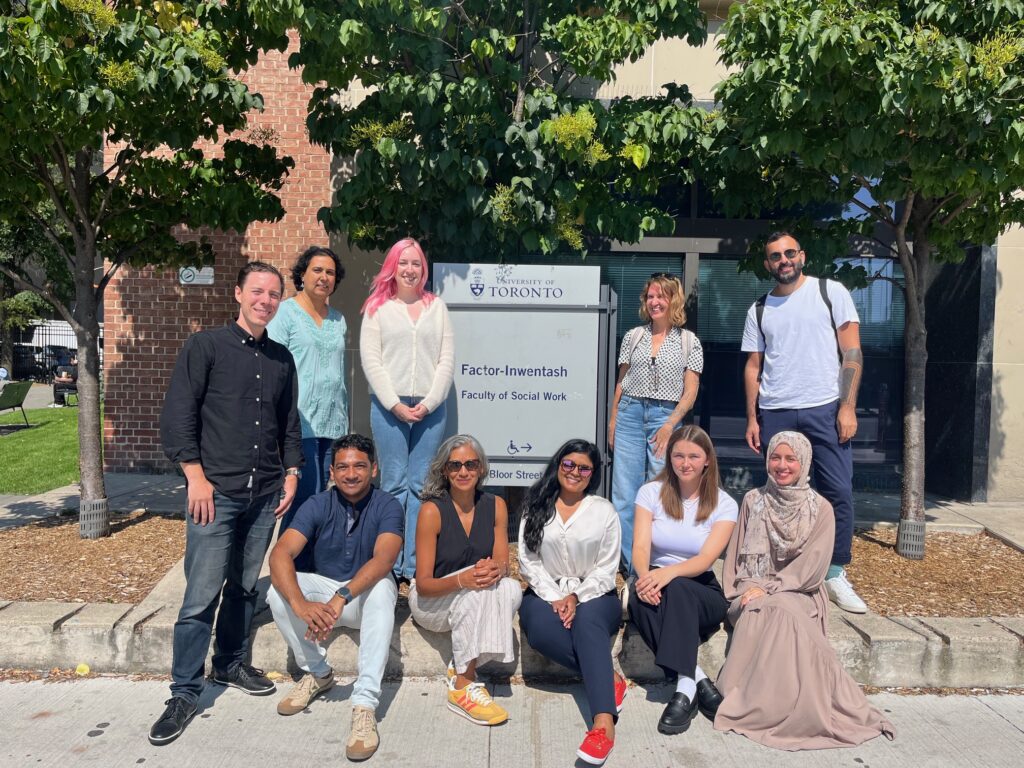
(48, 561)
(960, 576)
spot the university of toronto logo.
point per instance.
(477, 286)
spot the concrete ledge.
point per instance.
(876, 650)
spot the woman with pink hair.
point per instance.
(408, 358)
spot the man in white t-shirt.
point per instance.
(803, 373)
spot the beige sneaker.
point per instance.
(363, 739)
(303, 692)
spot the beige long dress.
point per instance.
(783, 685)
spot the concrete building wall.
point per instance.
(1006, 435)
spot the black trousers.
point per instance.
(691, 610)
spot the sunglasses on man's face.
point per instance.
(789, 253)
(451, 467)
(569, 466)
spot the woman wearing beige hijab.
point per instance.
(782, 684)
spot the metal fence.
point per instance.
(40, 348)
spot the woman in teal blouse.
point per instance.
(315, 335)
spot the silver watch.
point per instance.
(344, 594)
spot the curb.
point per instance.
(904, 652)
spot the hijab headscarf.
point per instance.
(781, 517)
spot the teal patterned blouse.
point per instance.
(319, 354)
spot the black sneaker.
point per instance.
(246, 678)
(173, 721)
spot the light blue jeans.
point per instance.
(633, 461)
(372, 613)
(404, 453)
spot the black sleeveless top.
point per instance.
(455, 550)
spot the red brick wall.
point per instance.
(148, 315)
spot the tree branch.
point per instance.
(967, 202)
(49, 233)
(42, 171)
(46, 291)
(879, 208)
(122, 169)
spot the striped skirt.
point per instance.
(480, 620)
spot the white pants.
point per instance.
(372, 613)
(480, 620)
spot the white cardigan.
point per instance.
(405, 359)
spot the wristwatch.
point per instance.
(344, 594)
(293, 471)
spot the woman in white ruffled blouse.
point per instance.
(569, 545)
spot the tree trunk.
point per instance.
(916, 265)
(94, 519)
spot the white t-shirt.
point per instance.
(676, 541)
(801, 361)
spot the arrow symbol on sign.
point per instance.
(527, 447)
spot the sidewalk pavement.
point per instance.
(105, 722)
(947, 652)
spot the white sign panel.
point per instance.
(195, 276)
(525, 379)
(512, 284)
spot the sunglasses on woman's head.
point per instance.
(454, 466)
(568, 465)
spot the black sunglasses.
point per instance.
(663, 276)
(789, 253)
(455, 466)
(568, 465)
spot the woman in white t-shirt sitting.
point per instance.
(683, 522)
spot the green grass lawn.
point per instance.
(42, 457)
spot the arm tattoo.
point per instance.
(849, 377)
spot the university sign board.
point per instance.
(530, 360)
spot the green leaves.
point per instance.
(873, 101)
(496, 152)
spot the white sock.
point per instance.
(687, 686)
(699, 675)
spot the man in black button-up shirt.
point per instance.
(231, 421)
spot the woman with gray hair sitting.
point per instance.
(462, 583)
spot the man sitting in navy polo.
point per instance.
(354, 532)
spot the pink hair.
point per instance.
(383, 288)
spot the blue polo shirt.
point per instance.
(341, 535)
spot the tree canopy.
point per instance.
(480, 133)
(908, 114)
(105, 108)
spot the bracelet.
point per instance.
(458, 580)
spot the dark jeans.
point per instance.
(832, 461)
(60, 390)
(585, 648)
(691, 610)
(315, 474)
(225, 555)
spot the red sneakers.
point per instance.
(621, 686)
(595, 747)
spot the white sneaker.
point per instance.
(841, 592)
(55, 405)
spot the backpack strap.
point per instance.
(634, 335)
(759, 314)
(823, 290)
(686, 344)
